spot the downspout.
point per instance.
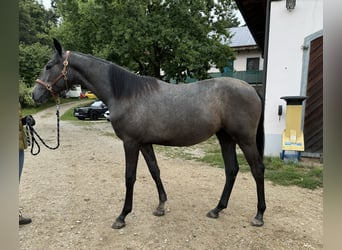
(265, 55)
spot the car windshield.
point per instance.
(97, 104)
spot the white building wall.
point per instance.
(285, 56)
(240, 62)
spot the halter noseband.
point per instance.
(63, 74)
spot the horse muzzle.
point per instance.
(40, 94)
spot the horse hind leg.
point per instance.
(151, 161)
(255, 161)
(228, 149)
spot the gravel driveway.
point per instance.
(73, 195)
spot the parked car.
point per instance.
(74, 92)
(106, 115)
(94, 111)
(88, 94)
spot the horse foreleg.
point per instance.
(131, 157)
(256, 164)
(151, 161)
(231, 169)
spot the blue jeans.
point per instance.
(21, 162)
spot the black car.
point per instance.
(94, 111)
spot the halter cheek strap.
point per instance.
(63, 74)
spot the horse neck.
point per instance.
(91, 74)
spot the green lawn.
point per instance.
(69, 114)
(34, 110)
(308, 175)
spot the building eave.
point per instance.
(254, 14)
(246, 48)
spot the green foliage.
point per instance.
(32, 58)
(25, 98)
(178, 37)
(35, 22)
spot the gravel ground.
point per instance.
(74, 194)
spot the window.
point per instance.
(229, 67)
(253, 63)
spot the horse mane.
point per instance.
(126, 84)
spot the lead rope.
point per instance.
(32, 140)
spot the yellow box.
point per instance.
(293, 137)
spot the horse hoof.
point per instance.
(118, 224)
(257, 223)
(212, 214)
(159, 212)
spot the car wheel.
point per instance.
(94, 115)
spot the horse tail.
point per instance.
(260, 136)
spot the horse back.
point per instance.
(186, 114)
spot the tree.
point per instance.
(179, 37)
(32, 58)
(35, 22)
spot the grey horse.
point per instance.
(146, 111)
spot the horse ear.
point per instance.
(57, 46)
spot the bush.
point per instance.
(32, 59)
(25, 93)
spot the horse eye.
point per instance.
(48, 67)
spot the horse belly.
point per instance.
(184, 132)
(186, 139)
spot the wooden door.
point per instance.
(313, 123)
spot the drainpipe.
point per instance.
(265, 56)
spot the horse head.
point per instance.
(53, 78)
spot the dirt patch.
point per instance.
(74, 194)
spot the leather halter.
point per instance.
(63, 74)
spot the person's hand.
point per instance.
(30, 121)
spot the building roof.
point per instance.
(241, 37)
(254, 14)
